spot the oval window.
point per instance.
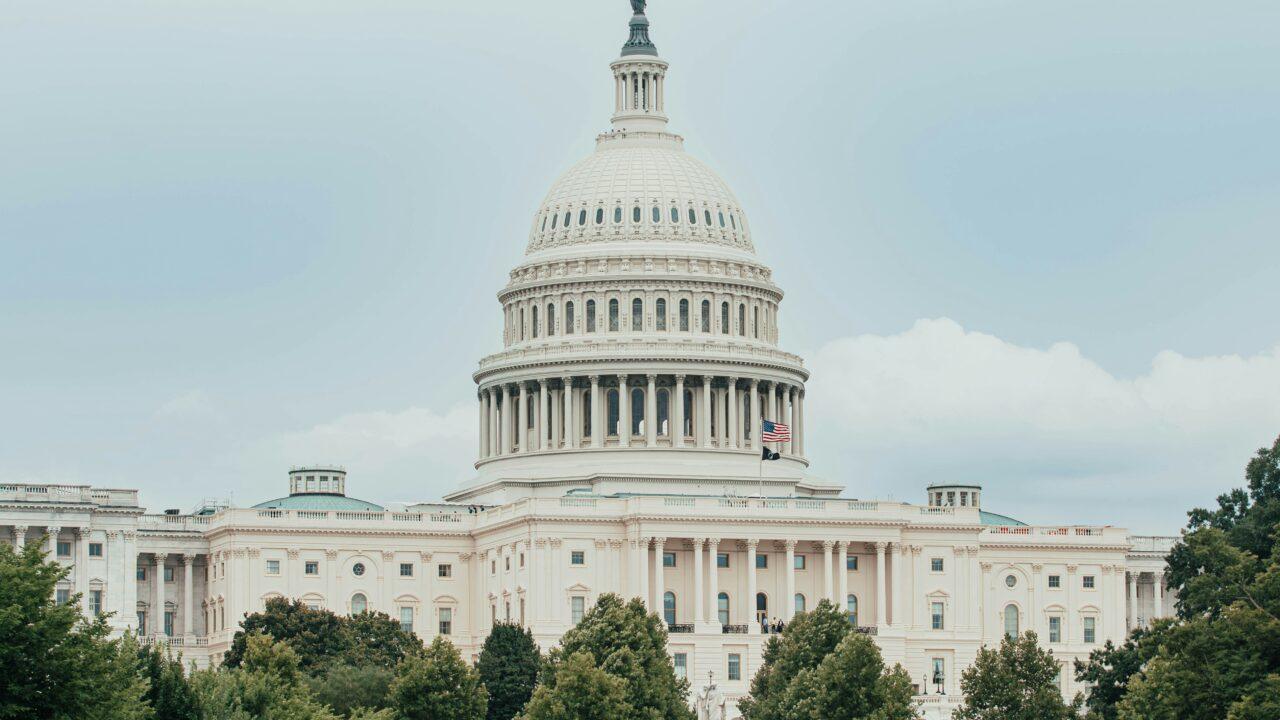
(357, 569)
(1010, 580)
(657, 215)
(635, 214)
(721, 218)
(582, 217)
(554, 219)
(693, 216)
(733, 221)
(706, 214)
(544, 223)
(675, 215)
(599, 216)
(568, 215)
(617, 214)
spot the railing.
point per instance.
(624, 347)
(396, 520)
(679, 628)
(866, 629)
(937, 510)
(191, 523)
(733, 502)
(863, 505)
(1152, 543)
(24, 492)
(677, 502)
(733, 629)
(577, 502)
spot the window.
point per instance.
(664, 412)
(95, 549)
(551, 319)
(724, 318)
(577, 557)
(637, 314)
(506, 608)
(1011, 621)
(95, 602)
(851, 609)
(311, 568)
(635, 214)
(1088, 582)
(168, 623)
(613, 315)
(568, 214)
(142, 574)
(359, 603)
(569, 320)
(733, 222)
(935, 564)
(142, 622)
(706, 316)
(64, 549)
(722, 560)
(657, 215)
(599, 216)
(444, 570)
(1055, 629)
(591, 317)
(357, 569)
(762, 561)
(1055, 581)
(762, 607)
(534, 329)
(668, 559)
(1010, 580)
(799, 600)
(799, 562)
(684, 316)
(742, 319)
(544, 223)
(637, 411)
(722, 608)
(937, 613)
(582, 217)
(406, 569)
(554, 219)
(675, 215)
(693, 216)
(406, 619)
(612, 411)
(168, 574)
(62, 596)
(273, 567)
(682, 665)
(521, 559)
(577, 605)
(506, 564)
(939, 676)
(617, 214)
(1090, 630)
(735, 666)
(669, 608)
(660, 314)
(706, 214)
(446, 619)
(851, 562)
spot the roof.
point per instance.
(990, 518)
(319, 501)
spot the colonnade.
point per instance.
(594, 411)
(1157, 602)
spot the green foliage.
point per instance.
(168, 693)
(268, 685)
(819, 669)
(53, 662)
(1261, 704)
(1014, 682)
(348, 688)
(322, 638)
(628, 643)
(508, 666)
(437, 685)
(581, 692)
(1108, 669)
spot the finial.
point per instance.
(639, 43)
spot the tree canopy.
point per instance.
(321, 637)
(508, 665)
(1017, 681)
(438, 685)
(581, 691)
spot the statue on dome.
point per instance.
(637, 6)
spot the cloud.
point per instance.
(1050, 433)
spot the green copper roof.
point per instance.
(990, 518)
(319, 501)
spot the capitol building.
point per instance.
(620, 450)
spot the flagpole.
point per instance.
(760, 455)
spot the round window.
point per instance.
(1010, 580)
(358, 568)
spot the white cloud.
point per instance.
(1051, 434)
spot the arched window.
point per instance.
(675, 215)
(733, 221)
(722, 608)
(591, 317)
(742, 320)
(584, 412)
(637, 315)
(554, 219)
(544, 223)
(669, 607)
(635, 214)
(358, 603)
(706, 214)
(799, 602)
(693, 216)
(521, 323)
(617, 215)
(569, 319)
(755, 323)
(660, 313)
(534, 328)
(611, 422)
(706, 316)
(582, 217)
(684, 316)
(637, 411)
(613, 315)
(747, 400)
(724, 318)
(568, 214)
(721, 213)
(551, 320)
(851, 609)
(1011, 621)
(762, 607)
(688, 412)
(664, 411)
(657, 215)
(599, 216)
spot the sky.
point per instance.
(1030, 245)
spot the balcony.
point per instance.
(679, 628)
(733, 629)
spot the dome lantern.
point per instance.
(639, 77)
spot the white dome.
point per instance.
(629, 176)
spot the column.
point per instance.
(880, 586)
(504, 421)
(827, 570)
(644, 571)
(753, 624)
(19, 537)
(1068, 626)
(129, 590)
(113, 600)
(651, 411)
(756, 414)
(624, 412)
(570, 428)
(82, 567)
(1034, 615)
(962, 581)
(1133, 600)
(53, 542)
(731, 425)
(491, 422)
(677, 432)
(484, 435)
(541, 422)
(597, 424)
(842, 572)
(699, 600)
(717, 414)
(713, 579)
(188, 596)
(705, 429)
(789, 602)
(1158, 585)
(157, 586)
(659, 582)
(797, 432)
(786, 417)
(522, 419)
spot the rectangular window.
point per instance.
(142, 622)
(936, 610)
(735, 666)
(1055, 581)
(313, 606)
(273, 567)
(95, 549)
(95, 602)
(521, 559)
(668, 559)
(1090, 630)
(578, 604)
(762, 561)
(939, 678)
(312, 567)
(444, 571)
(142, 574)
(935, 564)
(1055, 629)
(63, 596)
(722, 560)
(64, 549)
(577, 557)
(493, 567)
(406, 569)
(851, 562)
(799, 562)
(446, 619)
(507, 564)
(682, 665)
(168, 574)
(168, 623)
(406, 619)
(1088, 582)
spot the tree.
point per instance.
(581, 692)
(1018, 681)
(348, 688)
(1109, 668)
(508, 667)
(628, 643)
(321, 637)
(438, 685)
(53, 662)
(169, 692)
(268, 684)
(820, 669)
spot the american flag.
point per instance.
(775, 432)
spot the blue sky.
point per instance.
(1029, 244)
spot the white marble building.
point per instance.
(619, 450)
